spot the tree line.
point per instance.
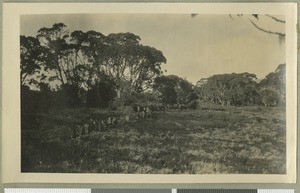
(63, 68)
(88, 65)
(243, 89)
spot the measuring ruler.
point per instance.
(71, 190)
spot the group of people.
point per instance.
(161, 107)
(141, 112)
(94, 125)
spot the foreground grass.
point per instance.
(234, 140)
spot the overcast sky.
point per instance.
(195, 47)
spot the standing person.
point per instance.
(144, 112)
(148, 112)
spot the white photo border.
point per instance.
(11, 138)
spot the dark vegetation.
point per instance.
(236, 140)
(95, 103)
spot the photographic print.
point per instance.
(153, 93)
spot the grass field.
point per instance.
(204, 141)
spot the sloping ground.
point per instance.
(232, 140)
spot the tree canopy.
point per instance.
(84, 60)
(175, 90)
(273, 87)
(228, 89)
(98, 70)
(243, 89)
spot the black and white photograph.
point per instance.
(158, 94)
(153, 93)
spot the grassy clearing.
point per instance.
(231, 140)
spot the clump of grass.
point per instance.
(259, 119)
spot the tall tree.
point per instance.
(133, 65)
(55, 40)
(174, 89)
(84, 48)
(273, 87)
(165, 85)
(82, 61)
(32, 58)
